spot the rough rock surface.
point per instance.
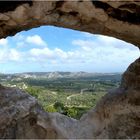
(131, 78)
(118, 19)
(117, 115)
(22, 117)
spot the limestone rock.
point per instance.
(117, 115)
(118, 19)
(22, 117)
(131, 78)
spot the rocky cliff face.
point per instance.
(117, 115)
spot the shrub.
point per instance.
(71, 112)
(50, 109)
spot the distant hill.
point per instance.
(58, 75)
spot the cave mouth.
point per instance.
(67, 71)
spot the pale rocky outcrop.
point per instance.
(117, 115)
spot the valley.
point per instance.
(69, 93)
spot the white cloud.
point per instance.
(36, 40)
(41, 53)
(84, 44)
(94, 54)
(60, 53)
(102, 52)
(3, 42)
(14, 55)
(107, 52)
(7, 54)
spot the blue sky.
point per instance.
(49, 48)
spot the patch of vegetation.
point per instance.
(70, 96)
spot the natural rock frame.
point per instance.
(117, 115)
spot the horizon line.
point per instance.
(62, 72)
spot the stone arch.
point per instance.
(116, 19)
(117, 114)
